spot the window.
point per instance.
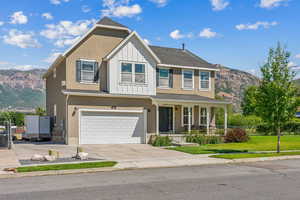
(188, 79)
(130, 74)
(204, 80)
(164, 77)
(203, 116)
(185, 116)
(139, 73)
(87, 71)
(126, 72)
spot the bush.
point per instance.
(160, 141)
(236, 135)
(202, 139)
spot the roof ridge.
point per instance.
(108, 21)
(166, 47)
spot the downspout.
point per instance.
(66, 122)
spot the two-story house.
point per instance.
(111, 87)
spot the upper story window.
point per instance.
(133, 72)
(204, 80)
(87, 71)
(126, 72)
(139, 73)
(164, 78)
(188, 79)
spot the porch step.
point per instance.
(185, 144)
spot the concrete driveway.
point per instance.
(127, 155)
(115, 152)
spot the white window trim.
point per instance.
(209, 81)
(164, 87)
(88, 82)
(132, 73)
(200, 124)
(182, 115)
(182, 79)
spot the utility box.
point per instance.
(37, 127)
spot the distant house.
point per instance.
(111, 88)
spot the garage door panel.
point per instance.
(111, 128)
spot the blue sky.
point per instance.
(234, 33)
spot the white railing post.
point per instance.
(207, 119)
(225, 120)
(157, 119)
(189, 119)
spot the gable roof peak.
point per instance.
(106, 21)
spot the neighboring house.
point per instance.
(111, 87)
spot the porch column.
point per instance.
(189, 119)
(207, 119)
(225, 120)
(157, 119)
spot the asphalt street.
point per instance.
(274, 180)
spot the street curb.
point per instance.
(110, 169)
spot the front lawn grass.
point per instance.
(254, 155)
(256, 143)
(66, 166)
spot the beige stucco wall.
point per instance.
(55, 96)
(177, 85)
(95, 47)
(76, 102)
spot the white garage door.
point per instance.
(112, 127)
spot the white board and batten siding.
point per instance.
(132, 51)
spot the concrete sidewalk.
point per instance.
(8, 159)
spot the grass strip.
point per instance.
(255, 155)
(85, 165)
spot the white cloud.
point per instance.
(271, 3)
(256, 26)
(1, 23)
(176, 35)
(147, 41)
(85, 9)
(18, 18)
(219, 4)
(120, 8)
(160, 3)
(24, 67)
(4, 63)
(57, 2)
(66, 42)
(21, 39)
(207, 33)
(52, 57)
(47, 16)
(65, 33)
(297, 56)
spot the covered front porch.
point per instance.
(180, 114)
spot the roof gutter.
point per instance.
(187, 67)
(75, 93)
(192, 101)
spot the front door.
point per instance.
(165, 119)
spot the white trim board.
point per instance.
(187, 67)
(115, 50)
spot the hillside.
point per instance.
(231, 85)
(25, 89)
(21, 89)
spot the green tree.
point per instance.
(40, 111)
(249, 101)
(276, 95)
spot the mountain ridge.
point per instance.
(26, 89)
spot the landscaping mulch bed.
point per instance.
(59, 160)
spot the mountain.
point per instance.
(25, 89)
(231, 85)
(22, 90)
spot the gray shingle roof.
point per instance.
(173, 56)
(109, 22)
(187, 98)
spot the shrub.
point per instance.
(236, 135)
(202, 139)
(160, 141)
